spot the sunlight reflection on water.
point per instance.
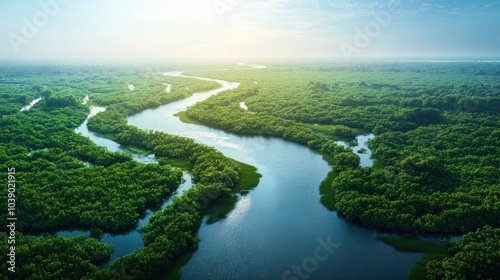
(242, 207)
(212, 139)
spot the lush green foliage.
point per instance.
(172, 232)
(437, 128)
(149, 92)
(436, 125)
(437, 135)
(64, 180)
(55, 257)
(373, 97)
(475, 256)
(439, 178)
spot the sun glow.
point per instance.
(199, 28)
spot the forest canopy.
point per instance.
(436, 127)
(437, 147)
(65, 181)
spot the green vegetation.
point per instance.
(475, 256)
(437, 130)
(56, 257)
(338, 132)
(186, 119)
(66, 181)
(249, 178)
(437, 137)
(171, 232)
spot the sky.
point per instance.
(153, 29)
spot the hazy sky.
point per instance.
(91, 29)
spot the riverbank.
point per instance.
(417, 189)
(433, 250)
(32, 103)
(248, 177)
(275, 213)
(186, 119)
(360, 148)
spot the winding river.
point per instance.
(280, 230)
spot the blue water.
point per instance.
(274, 231)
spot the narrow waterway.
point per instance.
(32, 103)
(361, 149)
(124, 243)
(111, 145)
(280, 230)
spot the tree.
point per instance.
(46, 93)
(345, 161)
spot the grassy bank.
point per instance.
(249, 178)
(186, 119)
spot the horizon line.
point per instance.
(342, 58)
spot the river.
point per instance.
(280, 230)
(32, 103)
(123, 243)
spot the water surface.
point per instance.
(274, 231)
